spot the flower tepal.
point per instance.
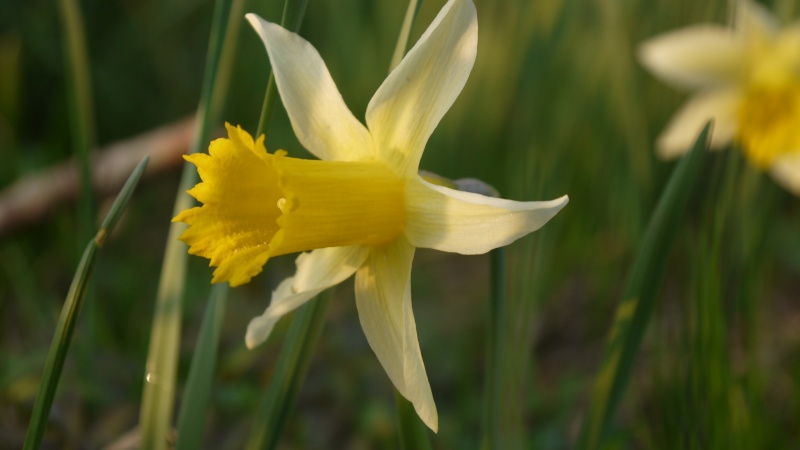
(361, 208)
(747, 79)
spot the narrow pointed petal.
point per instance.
(720, 105)
(695, 57)
(786, 171)
(316, 271)
(419, 91)
(754, 21)
(462, 222)
(319, 116)
(383, 298)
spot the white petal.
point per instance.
(319, 116)
(316, 271)
(383, 298)
(419, 91)
(754, 21)
(463, 222)
(786, 171)
(695, 57)
(679, 135)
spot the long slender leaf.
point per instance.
(155, 415)
(405, 31)
(413, 433)
(198, 385)
(70, 312)
(293, 12)
(80, 102)
(495, 366)
(82, 132)
(291, 369)
(634, 313)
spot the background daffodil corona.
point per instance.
(747, 79)
(362, 208)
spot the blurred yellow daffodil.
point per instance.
(362, 208)
(747, 79)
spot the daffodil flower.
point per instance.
(747, 79)
(362, 208)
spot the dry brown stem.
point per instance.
(30, 198)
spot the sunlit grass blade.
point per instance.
(293, 12)
(405, 31)
(496, 363)
(291, 369)
(70, 312)
(412, 432)
(155, 416)
(639, 295)
(198, 385)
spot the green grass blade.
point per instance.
(496, 363)
(412, 432)
(69, 314)
(198, 386)
(405, 31)
(639, 295)
(82, 132)
(155, 415)
(80, 104)
(292, 366)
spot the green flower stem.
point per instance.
(291, 369)
(496, 362)
(293, 12)
(281, 394)
(198, 386)
(155, 416)
(634, 313)
(70, 311)
(413, 433)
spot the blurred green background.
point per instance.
(556, 104)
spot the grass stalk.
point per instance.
(634, 313)
(155, 416)
(496, 362)
(413, 433)
(291, 369)
(293, 12)
(70, 312)
(81, 115)
(405, 31)
(201, 373)
(82, 132)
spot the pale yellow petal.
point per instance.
(721, 106)
(419, 91)
(462, 222)
(319, 116)
(383, 298)
(695, 57)
(316, 271)
(786, 171)
(755, 22)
